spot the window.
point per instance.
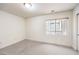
(54, 26)
(57, 26)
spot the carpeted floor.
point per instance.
(28, 47)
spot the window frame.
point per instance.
(55, 29)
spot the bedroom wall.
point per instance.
(12, 29)
(35, 29)
(75, 12)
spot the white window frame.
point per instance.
(53, 28)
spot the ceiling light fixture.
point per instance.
(28, 5)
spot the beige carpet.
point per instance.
(28, 47)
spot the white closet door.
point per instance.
(78, 32)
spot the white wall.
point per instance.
(75, 12)
(35, 29)
(12, 29)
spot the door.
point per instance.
(77, 32)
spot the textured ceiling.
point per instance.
(37, 8)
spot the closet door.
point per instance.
(77, 32)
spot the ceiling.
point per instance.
(37, 8)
